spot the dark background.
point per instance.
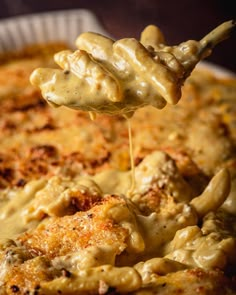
(178, 19)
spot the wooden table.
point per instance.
(179, 19)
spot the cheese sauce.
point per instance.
(12, 213)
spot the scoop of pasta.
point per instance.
(118, 77)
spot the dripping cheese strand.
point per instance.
(131, 155)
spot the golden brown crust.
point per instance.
(72, 233)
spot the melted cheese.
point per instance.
(165, 233)
(41, 197)
(131, 154)
(12, 213)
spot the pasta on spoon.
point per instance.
(118, 77)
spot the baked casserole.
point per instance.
(67, 223)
